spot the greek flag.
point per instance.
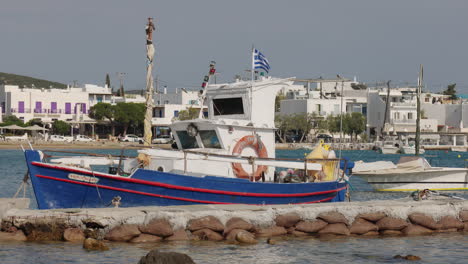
(260, 61)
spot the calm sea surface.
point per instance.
(440, 248)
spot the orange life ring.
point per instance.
(260, 149)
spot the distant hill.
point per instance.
(21, 81)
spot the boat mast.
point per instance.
(418, 109)
(387, 102)
(149, 81)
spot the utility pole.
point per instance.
(121, 75)
(386, 108)
(341, 114)
(418, 109)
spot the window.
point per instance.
(410, 115)
(210, 139)
(176, 113)
(228, 106)
(187, 141)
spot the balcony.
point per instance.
(403, 121)
(403, 105)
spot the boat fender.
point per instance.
(256, 144)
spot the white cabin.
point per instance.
(235, 110)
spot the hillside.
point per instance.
(20, 80)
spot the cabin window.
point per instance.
(187, 141)
(210, 139)
(228, 106)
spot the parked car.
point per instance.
(83, 138)
(163, 139)
(59, 138)
(326, 138)
(131, 138)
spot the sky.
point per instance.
(374, 40)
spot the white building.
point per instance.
(168, 105)
(70, 105)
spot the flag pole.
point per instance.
(252, 79)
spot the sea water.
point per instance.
(437, 248)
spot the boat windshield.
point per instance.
(210, 139)
(187, 141)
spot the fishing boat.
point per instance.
(226, 158)
(413, 172)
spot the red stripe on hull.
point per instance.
(177, 187)
(156, 195)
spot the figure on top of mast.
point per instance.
(149, 31)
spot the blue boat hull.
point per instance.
(57, 186)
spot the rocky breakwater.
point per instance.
(236, 223)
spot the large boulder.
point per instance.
(271, 231)
(463, 215)
(94, 244)
(145, 238)
(17, 235)
(237, 223)
(371, 233)
(45, 231)
(123, 233)
(389, 232)
(335, 229)
(333, 218)
(245, 237)
(74, 235)
(416, 230)
(424, 220)
(179, 235)
(157, 227)
(208, 234)
(231, 236)
(287, 220)
(449, 222)
(209, 222)
(373, 217)
(361, 226)
(391, 223)
(311, 226)
(156, 257)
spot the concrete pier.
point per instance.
(217, 222)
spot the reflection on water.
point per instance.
(438, 248)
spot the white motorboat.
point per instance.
(410, 150)
(389, 148)
(413, 173)
(459, 149)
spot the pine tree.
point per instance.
(108, 80)
(451, 91)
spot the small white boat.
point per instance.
(389, 148)
(458, 149)
(413, 173)
(410, 150)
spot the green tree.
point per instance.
(102, 111)
(108, 80)
(189, 114)
(283, 124)
(34, 121)
(355, 124)
(60, 127)
(451, 91)
(333, 123)
(358, 86)
(129, 115)
(12, 120)
(278, 98)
